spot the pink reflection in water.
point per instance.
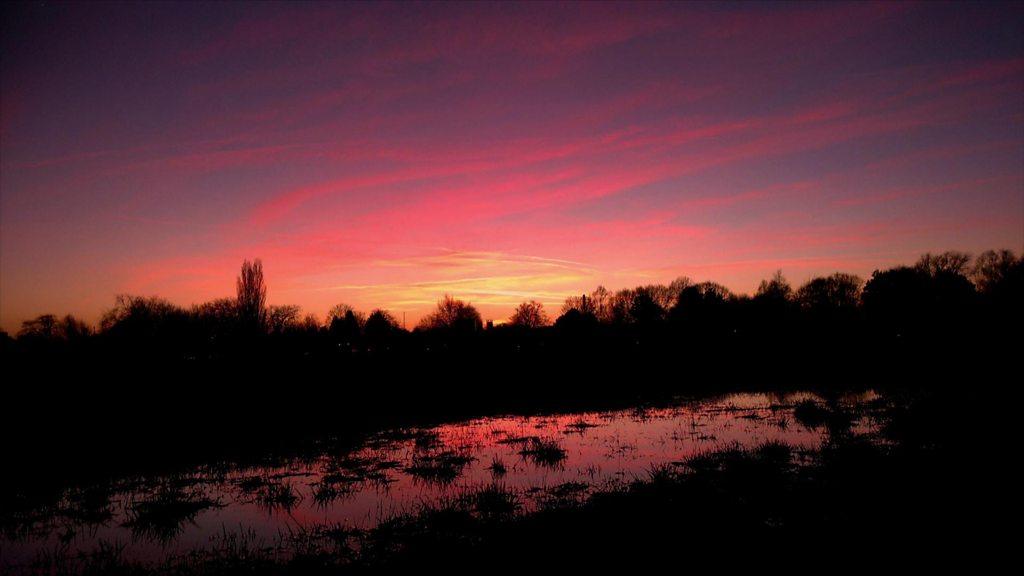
(587, 452)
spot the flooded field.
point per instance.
(504, 465)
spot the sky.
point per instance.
(383, 155)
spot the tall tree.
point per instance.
(252, 295)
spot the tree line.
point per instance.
(941, 294)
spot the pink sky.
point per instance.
(384, 155)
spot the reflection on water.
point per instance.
(541, 460)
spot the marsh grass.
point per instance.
(578, 426)
(544, 452)
(339, 482)
(566, 494)
(517, 440)
(426, 440)
(497, 467)
(162, 515)
(282, 495)
(88, 506)
(440, 467)
(271, 492)
(458, 521)
(326, 493)
(765, 491)
(493, 502)
(832, 415)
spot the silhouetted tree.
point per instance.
(141, 317)
(830, 307)
(999, 275)
(381, 322)
(582, 304)
(576, 323)
(217, 325)
(222, 311)
(601, 304)
(932, 300)
(934, 297)
(310, 323)
(949, 288)
(702, 306)
(775, 290)
(896, 299)
(453, 316)
(6, 344)
(951, 262)
(345, 325)
(529, 315)
(40, 328)
(771, 309)
(665, 296)
(645, 309)
(282, 318)
(830, 293)
(341, 311)
(621, 306)
(150, 325)
(49, 328)
(381, 328)
(252, 296)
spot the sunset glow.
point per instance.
(385, 155)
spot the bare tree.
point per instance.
(454, 315)
(582, 304)
(663, 296)
(529, 315)
(621, 304)
(951, 262)
(775, 289)
(993, 269)
(344, 313)
(310, 323)
(282, 318)
(676, 288)
(836, 292)
(601, 301)
(139, 313)
(50, 328)
(221, 311)
(252, 295)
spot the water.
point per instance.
(542, 459)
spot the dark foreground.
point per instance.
(920, 492)
(163, 406)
